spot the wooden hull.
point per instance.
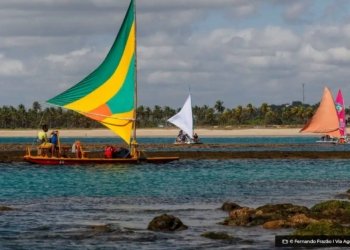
(42, 160)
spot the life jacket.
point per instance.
(109, 152)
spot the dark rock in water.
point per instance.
(282, 210)
(300, 221)
(101, 228)
(275, 224)
(5, 208)
(217, 236)
(270, 212)
(324, 227)
(345, 195)
(342, 196)
(296, 221)
(279, 213)
(229, 206)
(165, 223)
(336, 210)
(241, 216)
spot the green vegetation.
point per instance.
(295, 114)
(324, 227)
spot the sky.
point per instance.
(236, 51)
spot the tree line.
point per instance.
(295, 114)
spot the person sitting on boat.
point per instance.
(195, 138)
(179, 138)
(44, 142)
(77, 149)
(341, 140)
(326, 138)
(116, 152)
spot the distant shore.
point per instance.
(163, 132)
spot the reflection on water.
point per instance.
(109, 207)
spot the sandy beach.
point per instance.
(160, 132)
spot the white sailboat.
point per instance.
(184, 121)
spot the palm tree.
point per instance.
(238, 114)
(219, 106)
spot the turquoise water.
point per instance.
(56, 206)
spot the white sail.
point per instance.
(183, 119)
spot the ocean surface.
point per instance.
(60, 207)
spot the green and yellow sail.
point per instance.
(107, 95)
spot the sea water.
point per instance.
(56, 206)
(288, 143)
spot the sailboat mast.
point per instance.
(135, 68)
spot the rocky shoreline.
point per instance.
(327, 218)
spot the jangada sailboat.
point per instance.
(325, 121)
(109, 96)
(340, 107)
(184, 120)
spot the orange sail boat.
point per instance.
(325, 120)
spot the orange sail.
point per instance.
(325, 120)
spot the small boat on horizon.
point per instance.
(184, 120)
(329, 119)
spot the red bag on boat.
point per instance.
(109, 152)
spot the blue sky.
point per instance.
(237, 51)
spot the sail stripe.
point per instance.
(106, 91)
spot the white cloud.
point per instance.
(11, 67)
(235, 50)
(296, 10)
(70, 58)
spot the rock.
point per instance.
(275, 224)
(217, 236)
(296, 221)
(241, 216)
(345, 195)
(101, 228)
(342, 196)
(336, 210)
(165, 223)
(324, 227)
(271, 212)
(283, 210)
(300, 221)
(6, 208)
(229, 206)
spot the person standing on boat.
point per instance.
(54, 142)
(43, 140)
(42, 136)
